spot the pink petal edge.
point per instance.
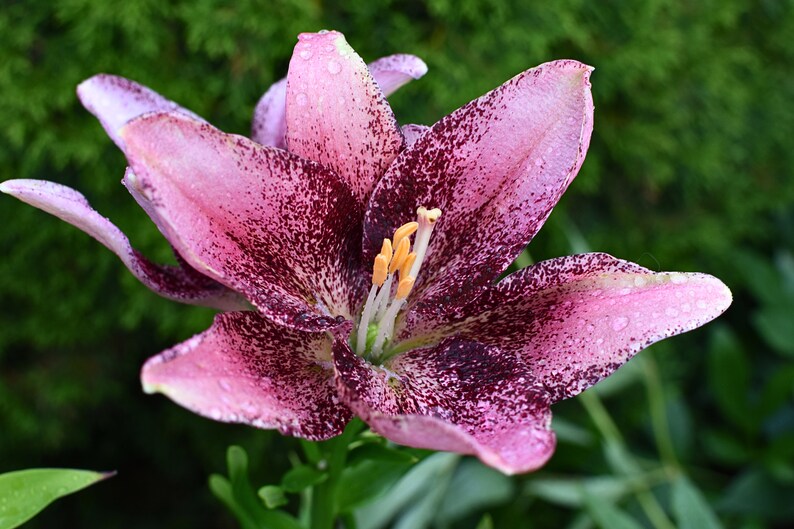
(178, 284)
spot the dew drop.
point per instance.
(639, 281)
(216, 414)
(302, 99)
(678, 278)
(334, 67)
(701, 304)
(620, 323)
(305, 54)
(224, 384)
(671, 312)
(538, 162)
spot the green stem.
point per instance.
(323, 502)
(609, 431)
(661, 426)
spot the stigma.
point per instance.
(394, 274)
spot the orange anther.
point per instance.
(400, 253)
(404, 231)
(406, 266)
(404, 287)
(386, 250)
(379, 270)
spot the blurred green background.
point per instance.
(689, 169)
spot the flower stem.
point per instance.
(323, 499)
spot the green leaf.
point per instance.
(25, 493)
(774, 326)
(273, 496)
(570, 492)
(728, 376)
(485, 522)
(366, 481)
(606, 515)
(690, 508)
(473, 487)
(302, 477)
(378, 452)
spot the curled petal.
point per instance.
(279, 229)
(115, 101)
(459, 396)
(270, 123)
(412, 132)
(247, 369)
(575, 320)
(394, 71)
(504, 161)
(336, 113)
(178, 283)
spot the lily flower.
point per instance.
(370, 255)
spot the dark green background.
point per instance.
(689, 169)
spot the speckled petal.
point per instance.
(247, 369)
(178, 283)
(576, 319)
(115, 101)
(270, 123)
(336, 113)
(277, 228)
(412, 132)
(495, 167)
(459, 396)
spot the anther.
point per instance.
(404, 231)
(386, 250)
(400, 253)
(404, 287)
(380, 270)
(406, 266)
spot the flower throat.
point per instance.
(396, 264)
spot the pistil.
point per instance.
(395, 262)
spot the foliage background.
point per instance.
(689, 169)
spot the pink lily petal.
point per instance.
(395, 71)
(336, 113)
(576, 319)
(247, 369)
(495, 167)
(115, 101)
(178, 283)
(279, 229)
(413, 132)
(459, 396)
(270, 123)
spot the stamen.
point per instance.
(404, 287)
(386, 250)
(380, 269)
(366, 315)
(404, 231)
(427, 221)
(403, 247)
(406, 267)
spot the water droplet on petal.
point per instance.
(334, 67)
(678, 278)
(225, 386)
(671, 312)
(538, 162)
(305, 54)
(620, 323)
(216, 414)
(302, 99)
(639, 281)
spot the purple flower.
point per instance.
(370, 255)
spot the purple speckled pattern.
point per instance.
(336, 113)
(181, 284)
(279, 229)
(475, 364)
(269, 125)
(495, 167)
(247, 369)
(574, 320)
(457, 395)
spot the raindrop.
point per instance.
(302, 99)
(678, 278)
(671, 312)
(334, 67)
(620, 323)
(538, 162)
(305, 54)
(216, 414)
(639, 281)
(225, 386)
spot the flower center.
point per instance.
(393, 276)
